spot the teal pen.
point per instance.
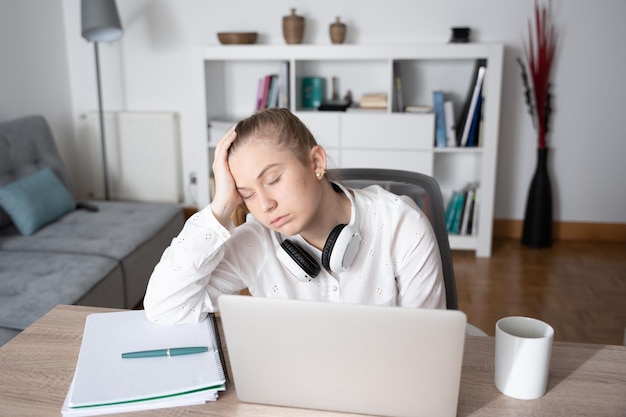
(165, 352)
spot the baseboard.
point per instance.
(595, 232)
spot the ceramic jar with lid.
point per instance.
(293, 28)
(337, 31)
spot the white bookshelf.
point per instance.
(386, 139)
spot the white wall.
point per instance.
(34, 75)
(155, 67)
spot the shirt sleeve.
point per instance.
(185, 284)
(418, 262)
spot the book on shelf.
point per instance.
(467, 210)
(374, 101)
(473, 227)
(415, 108)
(105, 382)
(259, 94)
(458, 212)
(440, 121)
(283, 85)
(455, 207)
(355, 108)
(472, 138)
(471, 223)
(397, 83)
(266, 88)
(461, 210)
(483, 95)
(464, 120)
(268, 80)
(448, 111)
(472, 109)
(272, 95)
(450, 207)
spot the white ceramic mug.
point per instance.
(522, 359)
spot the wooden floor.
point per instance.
(577, 287)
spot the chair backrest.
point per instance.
(426, 193)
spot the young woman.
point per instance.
(306, 237)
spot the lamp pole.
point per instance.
(105, 169)
(101, 23)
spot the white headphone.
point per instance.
(338, 253)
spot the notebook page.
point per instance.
(102, 377)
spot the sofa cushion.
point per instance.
(114, 231)
(36, 200)
(32, 283)
(26, 146)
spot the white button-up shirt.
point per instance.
(397, 264)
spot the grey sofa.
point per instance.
(100, 258)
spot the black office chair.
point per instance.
(426, 193)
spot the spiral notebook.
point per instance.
(104, 382)
(387, 361)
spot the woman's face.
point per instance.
(280, 192)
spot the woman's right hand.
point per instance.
(226, 198)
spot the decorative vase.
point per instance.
(337, 31)
(293, 28)
(537, 231)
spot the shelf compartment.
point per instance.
(227, 82)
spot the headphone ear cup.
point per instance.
(340, 248)
(302, 265)
(330, 244)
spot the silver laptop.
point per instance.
(387, 361)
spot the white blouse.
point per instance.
(397, 264)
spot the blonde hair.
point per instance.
(280, 125)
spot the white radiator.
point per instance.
(143, 156)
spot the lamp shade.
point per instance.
(100, 21)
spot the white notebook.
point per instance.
(388, 361)
(104, 382)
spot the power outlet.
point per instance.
(193, 179)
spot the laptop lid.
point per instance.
(388, 361)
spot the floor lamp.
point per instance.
(101, 23)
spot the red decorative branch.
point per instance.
(539, 57)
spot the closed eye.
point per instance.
(274, 181)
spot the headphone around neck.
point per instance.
(338, 252)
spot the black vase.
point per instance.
(537, 232)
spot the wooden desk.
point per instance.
(585, 380)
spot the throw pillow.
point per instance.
(36, 200)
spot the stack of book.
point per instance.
(376, 101)
(462, 211)
(107, 381)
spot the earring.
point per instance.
(318, 175)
